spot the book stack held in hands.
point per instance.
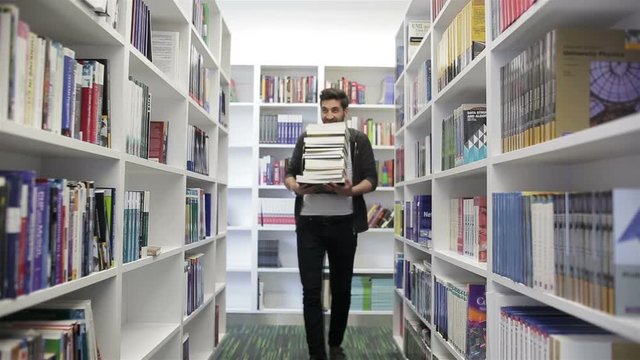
(326, 154)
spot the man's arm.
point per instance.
(367, 164)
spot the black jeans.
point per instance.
(335, 236)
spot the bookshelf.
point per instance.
(139, 306)
(283, 292)
(606, 156)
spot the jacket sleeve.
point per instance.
(367, 161)
(295, 163)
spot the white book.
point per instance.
(165, 46)
(325, 140)
(39, 83)
(326, 129)
(21, 65)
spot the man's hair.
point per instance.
(335, 94)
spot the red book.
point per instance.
(158, 141)
(86, 103)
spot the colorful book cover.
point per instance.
(626, 228)
(476, 323)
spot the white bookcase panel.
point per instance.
(239, 252)
(138, 306)
(239, 290)
(598, 158)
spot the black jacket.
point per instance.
(363, 165)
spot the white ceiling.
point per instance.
(317, 23)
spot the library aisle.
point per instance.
(144, 143)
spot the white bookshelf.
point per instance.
(283, 291)
(139, 306)
(602, 157)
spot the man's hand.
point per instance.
(304, 189)
(344, 190)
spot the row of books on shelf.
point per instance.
(420, 91)
(400, 164)
(200, 78)
(223, 114)
(505, 12)
(276, 211)
(551, 89)
(526, 329)
(197, 150)
(281, 128)
(288, 89)
(198, 213)
(380, 217)
(415, 278)
(138, 128)
(464, 136)
(468, 227)
(436, 8)
(52, 231)
(268, 253)
(141, 28)
(137, 207)
(422, 165)
(43, 85)
(417, 341)
(354, 90)
(272, 171)
(460, 316)
(194, 282)
(201, 18)
(581, 246)
(379, 133)
(462, 41)
(58, 329)
(385, 172)
(416, 214)
(370, 293)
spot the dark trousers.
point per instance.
(335, 236)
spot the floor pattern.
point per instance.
(287, 342)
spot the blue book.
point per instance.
(424, 219)
(69, 79)
(207, 220)
(42, 210)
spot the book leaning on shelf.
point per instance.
(43, 85)
(52, 231)
(581, 246)
(327, 154)
(59, 329)
(582, 78)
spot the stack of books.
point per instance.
(268, 253)
(326, 154)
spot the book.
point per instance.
(165, 46)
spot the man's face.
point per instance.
(332, 111)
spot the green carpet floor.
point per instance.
(287, 342)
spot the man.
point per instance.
(328, 219)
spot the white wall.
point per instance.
(309, 32)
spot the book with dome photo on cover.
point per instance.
(326, 154)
